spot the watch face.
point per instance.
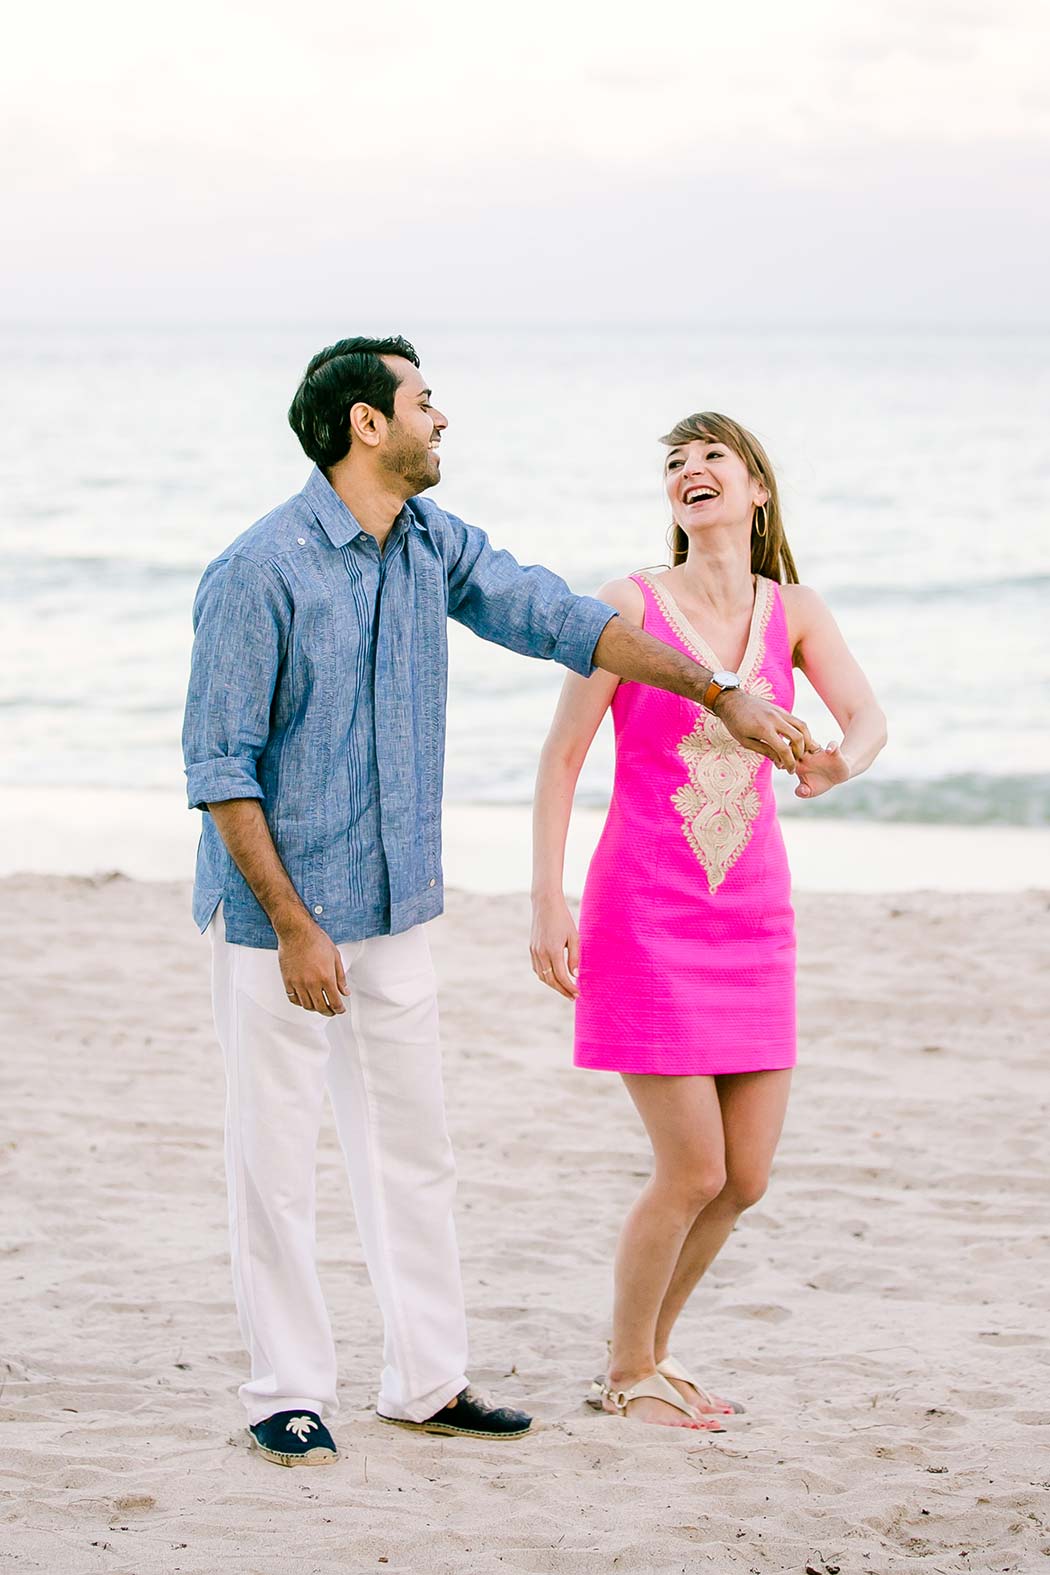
(725, 679)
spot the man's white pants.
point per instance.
(381, 1063)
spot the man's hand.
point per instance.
(311, 968)
(764, 727)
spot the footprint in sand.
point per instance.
(1002, 1337)
(766, 1312)
(981, 1399)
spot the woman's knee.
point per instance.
(696, 1185)
(743, 1189)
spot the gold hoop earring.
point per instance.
(760, 508)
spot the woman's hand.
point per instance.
(555, 945)
(820, 770)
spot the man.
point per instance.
(314, 742)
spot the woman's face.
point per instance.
(709, 484)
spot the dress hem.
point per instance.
(600, 1061)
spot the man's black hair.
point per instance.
(338, 377)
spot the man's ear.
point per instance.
(367, 424)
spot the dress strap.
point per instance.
(647, 595)
(655, 621)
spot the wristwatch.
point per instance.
(720, 681)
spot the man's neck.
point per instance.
(373, 503)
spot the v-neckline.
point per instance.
(691, 636)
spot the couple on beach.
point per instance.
(314, 739)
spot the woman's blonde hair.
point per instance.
(770, 553)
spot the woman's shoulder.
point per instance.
(626, 596)
(804, 609)
(802, 601)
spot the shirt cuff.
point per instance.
(580, 632)
(217, 781)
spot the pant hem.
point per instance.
(261, 1409)
(422, 1410)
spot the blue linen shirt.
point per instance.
(318, 686)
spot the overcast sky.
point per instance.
(759, 160)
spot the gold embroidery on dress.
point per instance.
(719, 804)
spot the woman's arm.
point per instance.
(554, 943)
(820, 651)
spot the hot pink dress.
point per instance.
(687, 935)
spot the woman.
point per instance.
(683, 970)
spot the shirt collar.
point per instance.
(329, 510)
(336, 520)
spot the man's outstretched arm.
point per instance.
(533, 611)
(758, 724)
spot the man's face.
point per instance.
(411, 448)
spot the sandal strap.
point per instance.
(670, 1367)
(655, 1387)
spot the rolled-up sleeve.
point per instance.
(241, 620)
(528, 609)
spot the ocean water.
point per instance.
(914, 468)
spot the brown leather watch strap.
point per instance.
(711, 694)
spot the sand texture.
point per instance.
(883, 1312)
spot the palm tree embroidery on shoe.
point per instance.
(301, 1426)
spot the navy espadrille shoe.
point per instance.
(294, 1438)
(471, 1416)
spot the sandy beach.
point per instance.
(882, 1313)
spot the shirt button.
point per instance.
(432, 883)
(319, 908)
(301, 540)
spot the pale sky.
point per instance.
(758, 161)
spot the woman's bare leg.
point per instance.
(752, 1106)
(683, 1118)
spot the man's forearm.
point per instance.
(242, 826)
(632, 654)
(760, 725)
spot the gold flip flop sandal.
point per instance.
(655, 1387)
